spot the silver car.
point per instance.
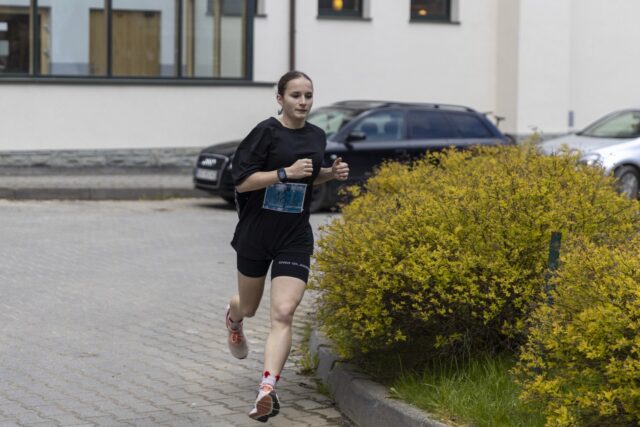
(613, 143)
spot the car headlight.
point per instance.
(593, 159)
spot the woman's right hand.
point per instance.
(302, 168)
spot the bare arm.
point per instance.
(326, 174)
(302, 168)
(257, 181)
(339, 170)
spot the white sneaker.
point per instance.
(238, 345)
(267, 404)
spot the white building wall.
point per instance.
(507, 63)
(532, 61)
(390, 58)
(55, 117)
(605, 58)
(544, 66)
(271, 42)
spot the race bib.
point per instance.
(285, 197)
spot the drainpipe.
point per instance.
(292, 34)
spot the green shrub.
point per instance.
(581, 362)
(449, 253)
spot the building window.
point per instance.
(19, 52)
(126, 38)
(336, 8)
(230, 7)
(431, 10)
(15, 46)
(224, 34)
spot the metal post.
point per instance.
(292, 34)
(109, 17)
(178, 39)
(248, 42)
(217, 38)
(35, 34)
(554, 259)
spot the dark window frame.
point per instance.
(416, 17)
(327, 12)
(36, 75)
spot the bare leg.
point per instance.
(286, 294)
(246, 301)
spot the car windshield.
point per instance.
(331, 119)
(625, 124)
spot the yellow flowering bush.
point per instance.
(449, 253)
(581, 361)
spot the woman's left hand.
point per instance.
(340, 169)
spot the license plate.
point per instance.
(207, 174)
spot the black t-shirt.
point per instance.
(263, 233)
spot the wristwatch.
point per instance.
(282, 175)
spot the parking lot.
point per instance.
(112, 314)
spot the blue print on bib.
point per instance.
(285, 197)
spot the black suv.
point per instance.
(364, 134)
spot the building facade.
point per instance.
(102, 74)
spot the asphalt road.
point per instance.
(111, 313)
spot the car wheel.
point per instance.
(628, 181)
(318, 197)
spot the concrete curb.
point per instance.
(56, 193)
(97, 184)
(362, 400)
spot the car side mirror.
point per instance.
(356, 135)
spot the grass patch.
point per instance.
(478, 392)
(307, 362)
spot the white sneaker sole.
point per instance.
(266, 407)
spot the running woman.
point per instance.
(274, 170)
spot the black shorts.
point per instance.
(286, 264)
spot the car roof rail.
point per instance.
(366, 104)
(362, 103)
(449, 107)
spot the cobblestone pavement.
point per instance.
(111, 314)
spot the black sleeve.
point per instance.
(251, 155)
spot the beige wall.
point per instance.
(77, 117)
(532, 61)
(605, 57)
(544, 65)
(390, 58)
(507, 62)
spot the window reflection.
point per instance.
(15, 46)
(214, 38)
(72, 38)
(143, 38)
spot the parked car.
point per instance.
(613, 143)
(364, 134)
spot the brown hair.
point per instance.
(287, 77)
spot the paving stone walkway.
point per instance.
(111, 315)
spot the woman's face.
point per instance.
(297, 99)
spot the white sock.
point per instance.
(269, 379)
(233, 324)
